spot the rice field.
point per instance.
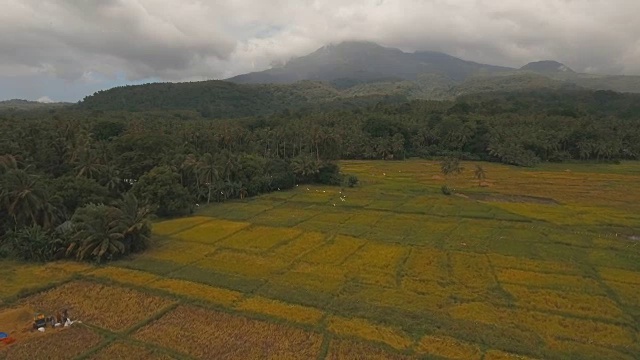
(537, 264)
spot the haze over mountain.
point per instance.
(352, 63)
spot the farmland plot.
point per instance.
(525, 267)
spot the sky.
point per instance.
(64, 50)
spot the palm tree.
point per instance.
(479, 174)
(110, 178)
(8, 162)
(98, 233)
(133, 217)
(23, 196)
(451, 165)
(305, 167)
(89, 166)
(208, 173)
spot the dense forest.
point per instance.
(82, 182)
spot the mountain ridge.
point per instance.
(357, 62)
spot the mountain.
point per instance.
(222, 99)
(19, 104)
(547, 66)
(363, 62)
(358, 65)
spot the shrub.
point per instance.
(446, 190)
(352, 181)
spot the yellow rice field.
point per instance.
(539, 263)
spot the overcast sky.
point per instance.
(68, 49)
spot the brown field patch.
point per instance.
(449, 348)
(53, 344)
(109, 307)
(121, 351)
(355, 350)
(369, 331)
(501, 355)
(206, 334)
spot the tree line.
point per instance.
(60, 168)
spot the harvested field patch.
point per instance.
(259, 238)
(54, 344)
(169, 227)
(127, 276)
(206, 334)
(211, 231)
(449, 348)
(120, 350)
(353, 350)
(197, 291)
(366, 330)
(501, 355)
(108, 307)
(291, 312)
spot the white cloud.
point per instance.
(45, 99)
(199, 39)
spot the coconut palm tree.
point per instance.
(23, 196)
(98, 233)
(133, 217)
(480, 174)
(208, 173)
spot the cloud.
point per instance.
(174, 40)
(45, 99)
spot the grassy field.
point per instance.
(537, 263)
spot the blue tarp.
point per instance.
(3, 335)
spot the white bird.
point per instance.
(323, 191)
(307, 189)
(384, 174)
